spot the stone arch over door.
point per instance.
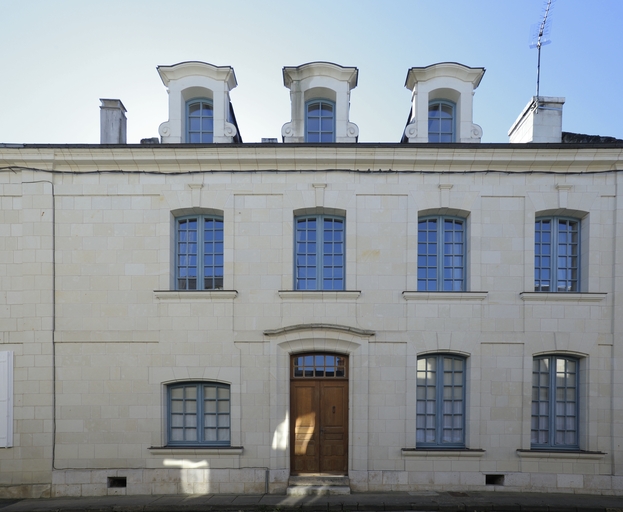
(349, 341)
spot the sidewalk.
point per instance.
(423, 501)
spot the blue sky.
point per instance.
(60, 56)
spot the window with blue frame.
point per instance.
(199, 121)
(199, 253)
(554, 422)
(199, 414)
(441, 121)
(441, 254)
(320, 121)
(319, 253)
(556, 255)
(440, 401)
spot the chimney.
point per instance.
(540, 121)
(112, 122)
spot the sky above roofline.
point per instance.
(61, 57)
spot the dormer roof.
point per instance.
(320, 68)
(446, 70)
(198, 69)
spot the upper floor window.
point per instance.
(556, 255)
(555, 383)
(440, 406)
(198, 414)
(320, 253)
(441, 121)
(199, 121)
(199, 253)
(441, 254)
(320, 121)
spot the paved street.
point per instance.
(421, 501)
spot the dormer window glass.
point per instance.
(441, 121)
(199, 122)
(320, 121)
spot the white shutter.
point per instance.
(6, 399)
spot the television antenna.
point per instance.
(540, 37)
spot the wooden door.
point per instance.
(319, 422)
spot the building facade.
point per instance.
(206, 316)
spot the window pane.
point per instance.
(313, 124)
(313, 109)
(327, 125)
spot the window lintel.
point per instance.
(199, 211)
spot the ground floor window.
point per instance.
(199, 414)
(555, 383)
(440, 401)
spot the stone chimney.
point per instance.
(540, 121)
(113, 122)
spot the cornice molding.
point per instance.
(358, 158)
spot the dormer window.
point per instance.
(320, 101)
(441, 121)
(320, 121)
(200, 111)
(442, 104)
(199, 121)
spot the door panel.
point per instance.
(333, 426)
(304, 428)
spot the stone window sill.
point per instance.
(320, 295)
(562, 297)
(194, 295)
(432, 453)
(445, 296)
(554, 454)
(199, 450)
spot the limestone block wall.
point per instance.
(87, 263)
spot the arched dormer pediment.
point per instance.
(320, 102)
(442, 98)
(197, 69)
(444, 71)
(200, 91)
(311, 70)
(319, 337)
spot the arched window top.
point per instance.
(320, 121)
(314, 365)
(199, 121)
(441, 121)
